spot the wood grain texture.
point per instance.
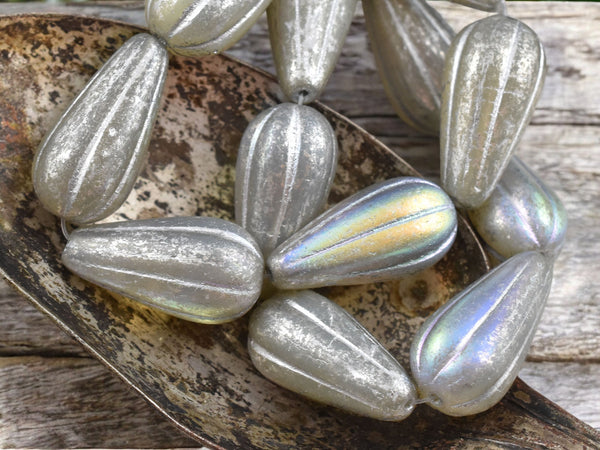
(572, 385)
(26, 331)
(83, 401)
(47, 402)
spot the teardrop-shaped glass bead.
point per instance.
(493, 76)
(197, 268)
(308, 344)
(522, 214)
(306, 40)
(409, 40)
(483, 5)
(88, 163)
(202, 27)
(467, 354)
(285, 167)
(389, 229)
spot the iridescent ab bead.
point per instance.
(465, 357)
(389, 229)
(523, 213)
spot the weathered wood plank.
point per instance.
(569, 33)
(123, 10)
(570, 385)
(562, 155)
(26, 331)
(76, 402)
(573, 386)
(561, 146)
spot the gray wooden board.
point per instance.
(53, 395)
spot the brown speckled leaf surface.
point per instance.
(199, 375)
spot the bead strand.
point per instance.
(467, 354)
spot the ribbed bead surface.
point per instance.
(392, 228)
(467, 354)
(306, 39)
(493, 76)
(522, 214)
(197, 268)
(201, 27)
(308, 344)
(285, 167)
(87, 165)
(409, 40)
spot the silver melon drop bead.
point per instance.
(306, 40)
(308, 344)
(86, 166)
(493, 76)
(522, 214)
(389, 229)
(409, 40)
(467, 354)
(202, 27)
(285, 167)
(197, 268)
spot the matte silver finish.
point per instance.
(498, 6)
(522, 214)
(88, 163)
(202, 27)
(306, 39)
(493, 77)
(409, 40)
(197, 268)
(285, 168)
(467, 354)
(387, 230)
(308, 344)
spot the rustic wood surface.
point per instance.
(53, 394)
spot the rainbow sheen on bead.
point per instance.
(522, 214)
(392, 228)
(308, 344)
(467, 354)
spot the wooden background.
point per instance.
(53, 394)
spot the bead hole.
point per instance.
(434, 400)
(302, 95)
(268, 274)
